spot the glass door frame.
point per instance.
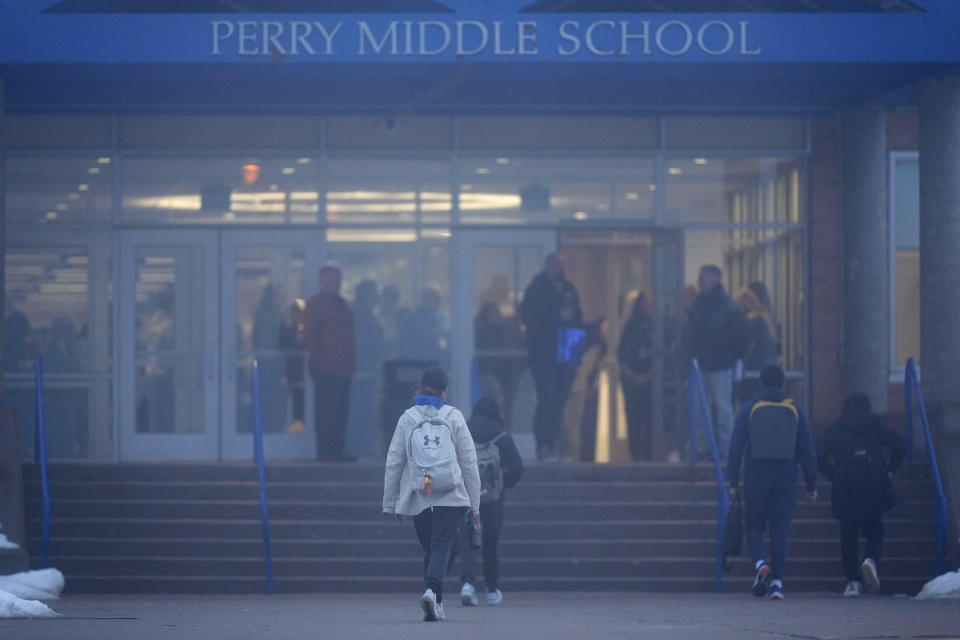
(463, 295)
(132, 445)
(282, 446)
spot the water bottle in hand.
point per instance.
(474, 530)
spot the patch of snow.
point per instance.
(13, 607)
(945, 586)
(44, 584)
(5, 543)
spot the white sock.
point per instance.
(776, 583)
(759, 564)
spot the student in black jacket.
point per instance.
(486, 425)
(859, 456)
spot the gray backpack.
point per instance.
(432, 452)
(491, 473)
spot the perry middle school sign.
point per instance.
(478, 31)
(478, 38)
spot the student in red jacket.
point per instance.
(329, 342)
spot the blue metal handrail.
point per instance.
(697, 403)
(261, 475)
(912, 389)
(40, 456)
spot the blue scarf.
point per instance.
(433, 401)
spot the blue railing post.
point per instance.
(40, 455)
(915, 391)
(698, 399)
(692, 409)
(908, 382)
(261, 475)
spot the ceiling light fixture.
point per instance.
(288, 171)
(482, 171)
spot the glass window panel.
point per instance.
(732, 190)
(269, 307)
(218, 132)
(58, 190)
(57, 308)
(370, 132)
(377, 191)
(558, 132)
(906, 240)
(725, 132)
(502, 190)
(63, 132)
(220, 190)
(169, 339)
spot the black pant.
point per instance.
(553, 382)
(437, 530)
(872, 530)
(636, 400)
(491, 521)
(769, 502)
(331, 399)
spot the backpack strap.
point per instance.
(499, 435)
(786, 403)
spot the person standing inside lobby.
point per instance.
(550, 306)
(328, 338)
(717, 334)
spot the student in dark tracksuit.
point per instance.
(485, 425)
(769, 486)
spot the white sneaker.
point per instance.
(852, 590)
(468, 595)
(431, 610)
(494, 597)
(871, 581)
(440, 615)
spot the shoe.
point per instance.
(853, 589)
(468, 595)
(440, 614)
(761, 582)
(428, 602)
(494, 597)
(871, 581)
(776, 593)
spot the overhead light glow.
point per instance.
(581, 215)
(633, 196)
(287, 171)
(103, 160)
(303, 160)
(674, 171)
(51, 215)
(482, 171)
(652, 187)
(251, 173)
(503, 160)
(93, 170)
(699, 161)
(83, 187)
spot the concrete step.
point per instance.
(329, 510)
(323, 472)
(411, 566)
(191, 584)
(384, 529)
(367, 491)
(510, 547)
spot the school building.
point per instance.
(175, 174)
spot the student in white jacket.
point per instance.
(432, 475)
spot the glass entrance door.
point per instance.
(492, 269)
(266, 278)
(167, 341)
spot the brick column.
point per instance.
(866, 254)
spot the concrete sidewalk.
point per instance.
(527, 616)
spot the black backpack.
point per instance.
(860, 465)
